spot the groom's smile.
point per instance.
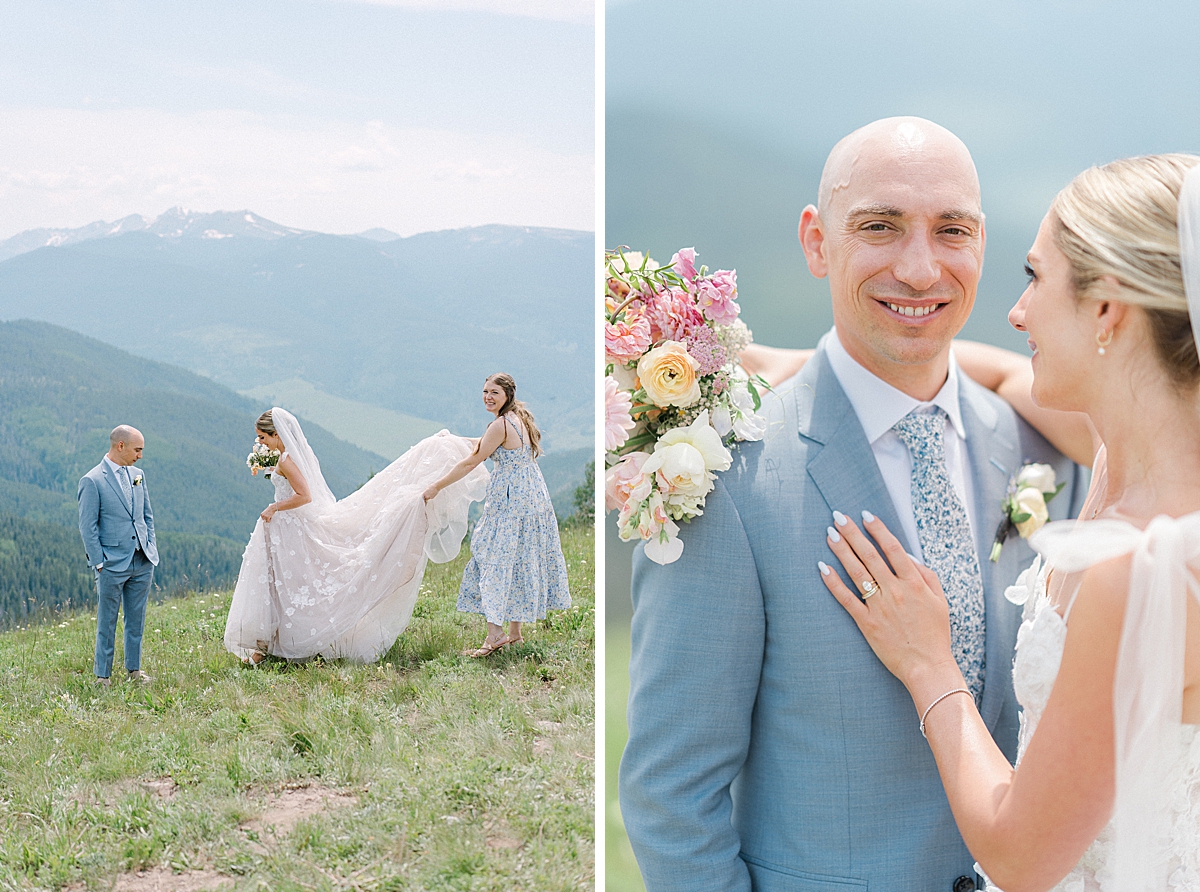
(900, 237)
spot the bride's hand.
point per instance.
(907, 620)
(268, 513)
(430, 491)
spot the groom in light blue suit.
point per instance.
(117, 526)
(768, 748)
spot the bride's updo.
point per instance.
(518, 408)
(266, 423)
(1120, 220)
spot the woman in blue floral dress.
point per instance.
(517, 571)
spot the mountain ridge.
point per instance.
(412, 325)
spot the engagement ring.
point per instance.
(869, 587)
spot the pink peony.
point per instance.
(684, 262)
(627, 340)
(617, 418)
(624, 483)
(717, 297)
(673, 316)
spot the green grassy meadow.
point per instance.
(428, 770)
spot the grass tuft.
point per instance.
(439, 771)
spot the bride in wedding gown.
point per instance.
(340, 579)
(1106, 793)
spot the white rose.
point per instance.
(1031, 501)
(1039, 477)
(680, 468)
(700, 435)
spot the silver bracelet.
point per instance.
(925, 714)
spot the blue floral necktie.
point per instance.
(126, 487)
(946, 542)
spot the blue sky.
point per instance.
(337, 116)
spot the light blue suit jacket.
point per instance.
(112, 533)
(768, 746)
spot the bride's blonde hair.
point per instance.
(1120, 220)
(266, 423)
(516, 407)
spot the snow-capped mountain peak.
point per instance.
(174, 223)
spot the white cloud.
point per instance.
(580, 12)
(69, 167)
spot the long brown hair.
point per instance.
(517, 408)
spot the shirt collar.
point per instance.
(878, 404)
(114, 467)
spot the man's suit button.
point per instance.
(964, 884)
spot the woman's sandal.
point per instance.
(489, 648)
(252, 663)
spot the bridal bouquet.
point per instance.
(262, 458)
(674, 394)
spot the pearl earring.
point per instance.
(1102, 341)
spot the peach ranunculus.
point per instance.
(668, 375)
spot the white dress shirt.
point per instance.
(879, 406)
(120, 471)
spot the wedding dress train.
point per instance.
(340, 579)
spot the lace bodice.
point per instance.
(1040, 643)
(283, 489)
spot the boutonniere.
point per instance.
(1024, 504)
(137, 480)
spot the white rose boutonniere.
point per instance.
(137, 481)
(1024, 504)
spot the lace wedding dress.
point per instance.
(1153, 839)
(340, 579)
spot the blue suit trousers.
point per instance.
(128, 589)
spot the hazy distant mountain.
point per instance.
(413, 324)
(32, 239)
(62, 393)
(379, 235)
(175, 223)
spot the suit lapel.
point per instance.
(992, 450)
(844, 470)
(116, 485)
